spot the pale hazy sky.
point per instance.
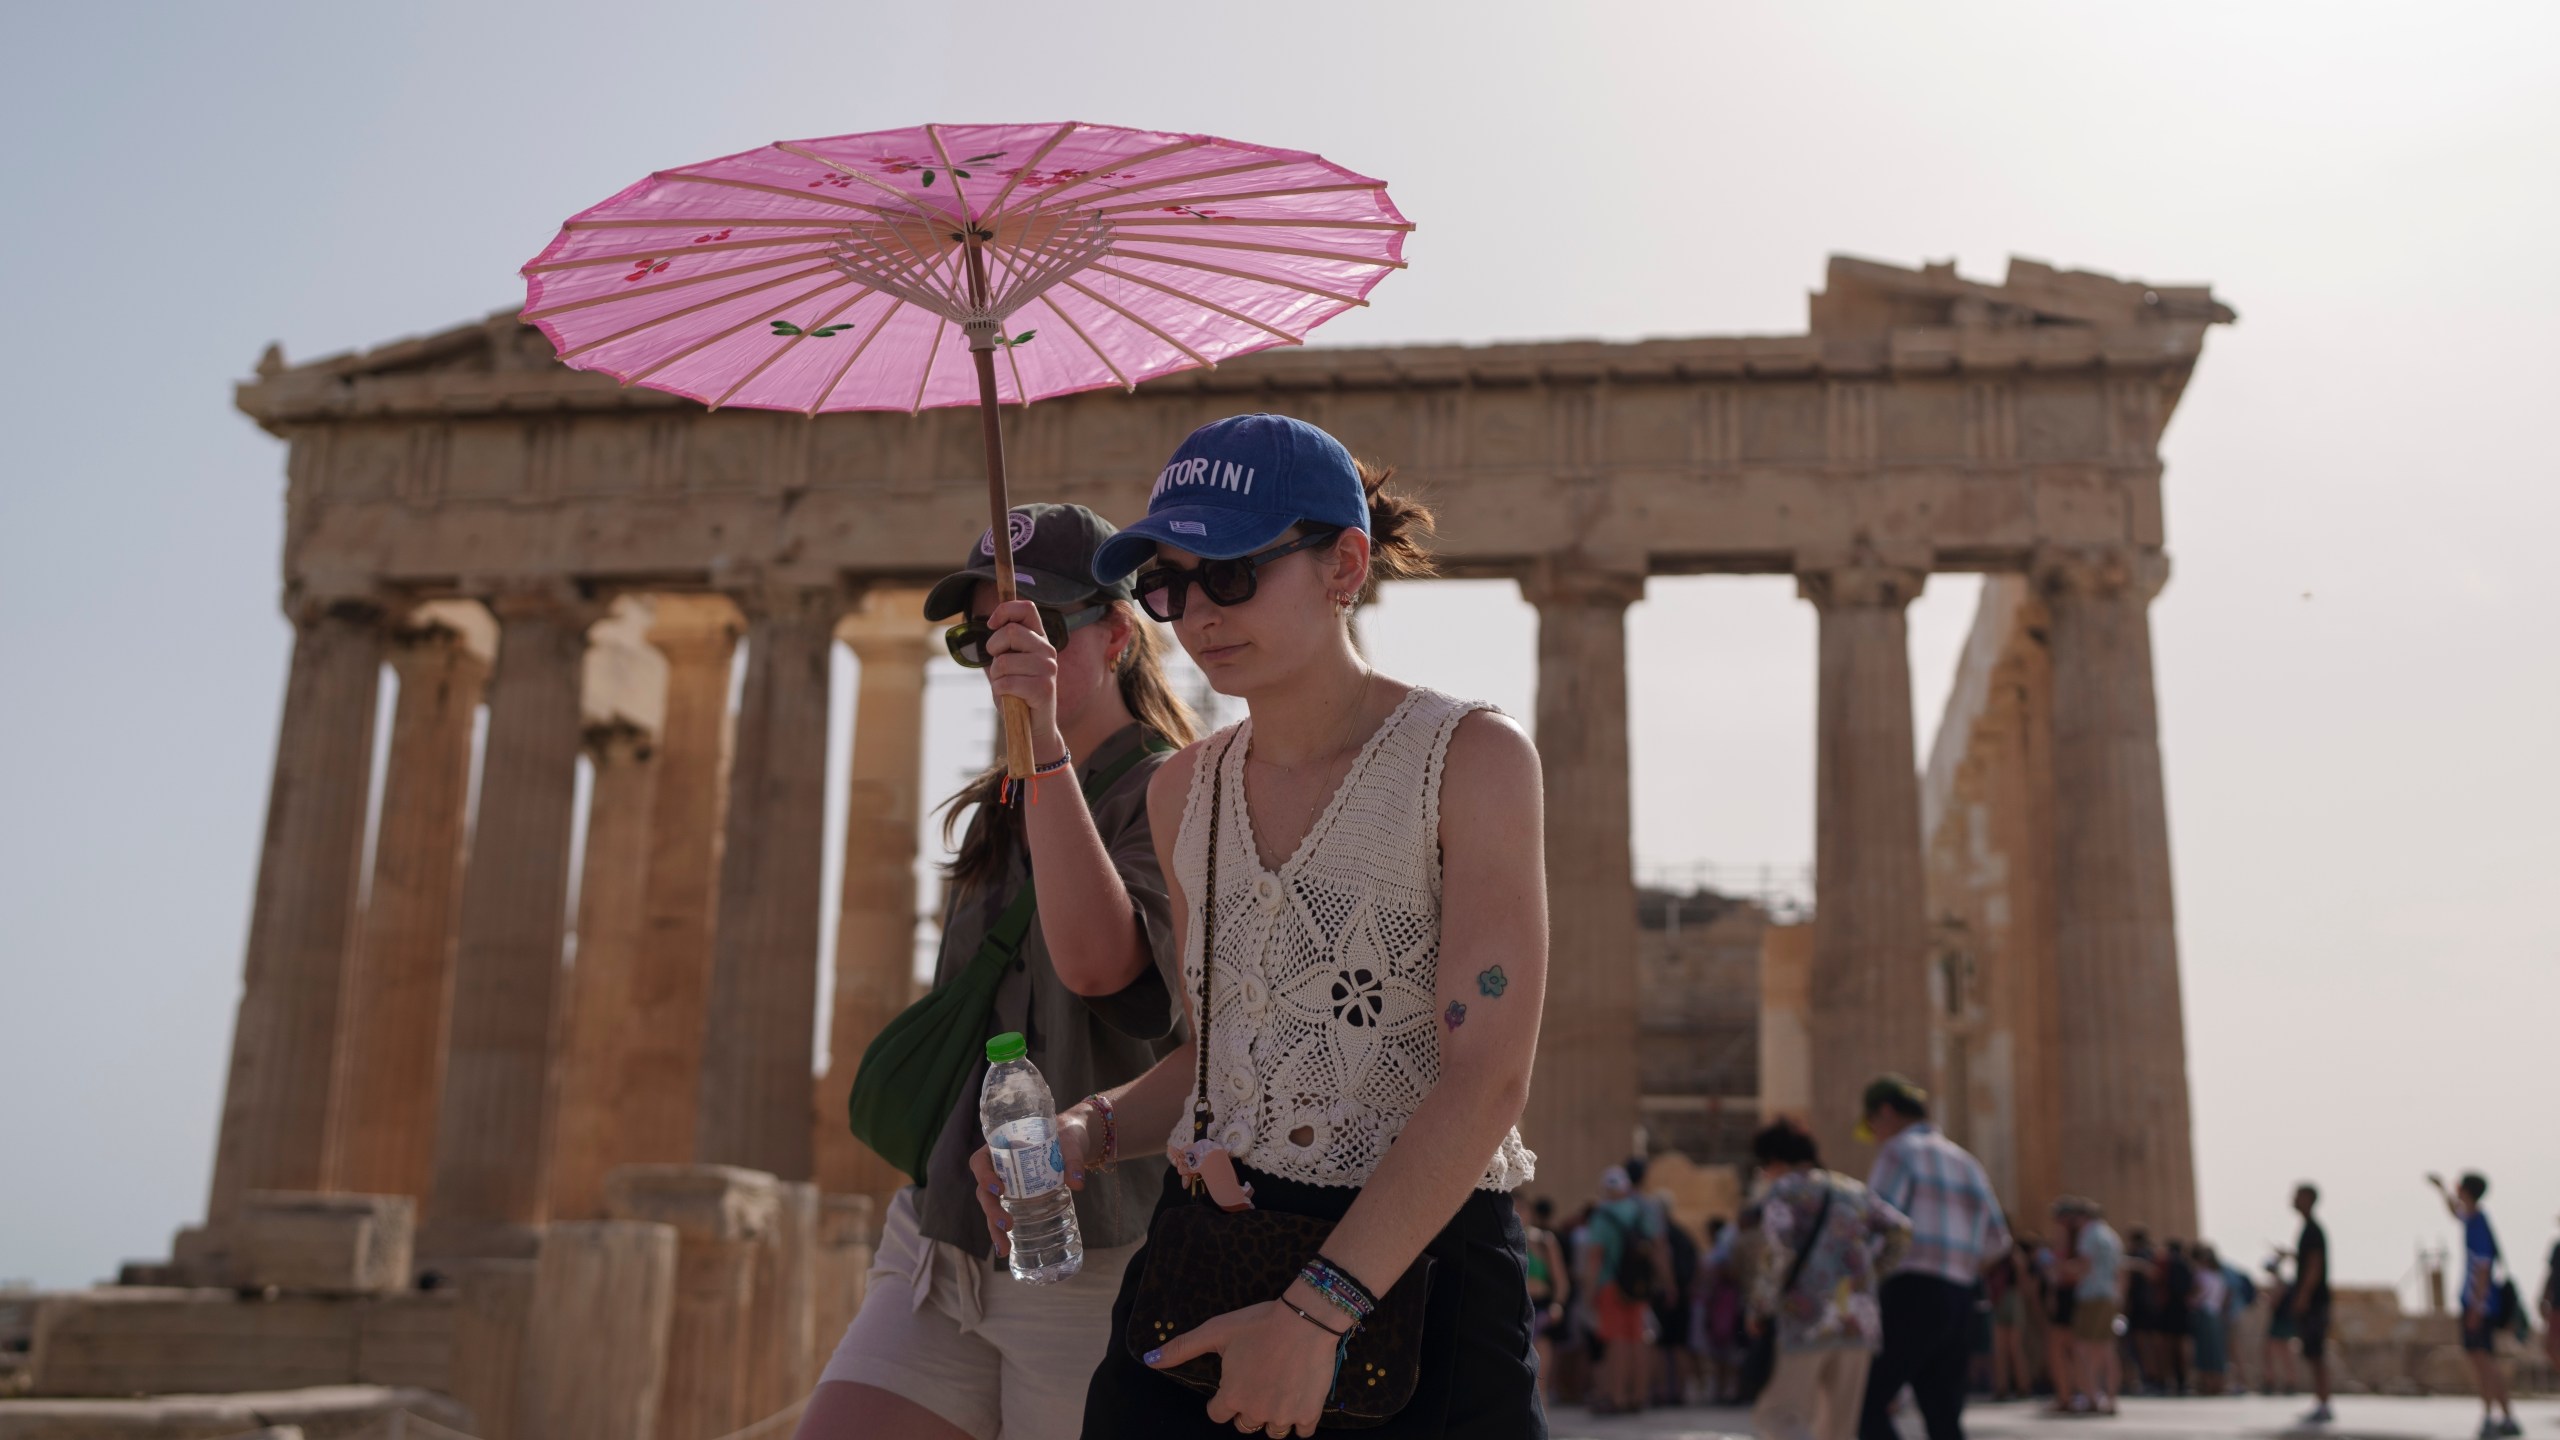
(2359, 675)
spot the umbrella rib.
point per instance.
(1162, 202)
(931, 354)
(1298, 285)
(695, 308)
(785, 347)
(1061, 312)
(942, 152)
(1194, 178)
(895, 305)
(838, 167)
(1142, 158)
(1026, 167)
(1123, 222)
(613, 296)
(1270, 250)
(802, 194)
(767, 222)
(1140, 321)
(625, 259)
(1284, 336)
(710, 340)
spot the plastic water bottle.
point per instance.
(1021, 1124)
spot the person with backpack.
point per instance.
(2489, 1304)
(947, 1344)
(1826, 1243)
(1627, 1260)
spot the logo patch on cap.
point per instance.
(1017, 531)
(1188, 527)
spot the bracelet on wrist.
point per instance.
(1336, 1285)
(1342, 1334)
(1102, 1110)
(1052, 767)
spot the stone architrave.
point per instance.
(596, 1339)
(1870, 985)
(623, 695)
(661, 1077)
(756, 1072)
(390, 1065)
(275, 1108)
(1583, 1097)
(2122, 1059)
(875, 938)
(492, 1150)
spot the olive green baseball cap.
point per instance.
(1053, 549)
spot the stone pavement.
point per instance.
(2360, 1417)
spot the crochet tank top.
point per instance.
(1322, 1019)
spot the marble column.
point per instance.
(875, 937)
(622, 697)
(757, 1093)
(661, 1075)
(275, 1108)
(491, 1170)
(390, 1064)
(1582, 1111)
(1870, 987)
(585, 1132)
(2122, 1059)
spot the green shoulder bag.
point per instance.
(915, 1069)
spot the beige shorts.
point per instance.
(965, 1340)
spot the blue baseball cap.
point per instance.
(1234, 487)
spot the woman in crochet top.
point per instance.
(1378, 885)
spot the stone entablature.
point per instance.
(1965, 424)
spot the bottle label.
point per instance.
(1028, 1158)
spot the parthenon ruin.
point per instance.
(585, 561)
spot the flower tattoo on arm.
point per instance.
(1455, 1015)
(1491, 983)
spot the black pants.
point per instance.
(1479, 1370)
(1928, 1344)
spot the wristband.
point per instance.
(1054, 766)
(1310, 1319)
(1101, 1104)
(1346, 1294)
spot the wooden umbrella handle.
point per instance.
(1016, 712)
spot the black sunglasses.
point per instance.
(968, 639)
(1163, 589)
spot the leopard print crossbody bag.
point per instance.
(1203, 1262)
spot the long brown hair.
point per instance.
(993, 828)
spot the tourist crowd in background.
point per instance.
(1826, 1303)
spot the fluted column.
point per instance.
(623, 699)
(1870, 989)
(491, 1176)
(875, 937)
(756, 1090)
(585, 1134)
(2123, 1057)
(391, 1035)
(1582, 1114)
(661, 1078)
(275, 1107)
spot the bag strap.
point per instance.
(1004, 938)
(1804, 1250)
(1200, 1115)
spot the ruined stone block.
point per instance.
(316, 1244)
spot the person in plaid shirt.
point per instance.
(1957, 1230)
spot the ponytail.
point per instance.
(1397, 525)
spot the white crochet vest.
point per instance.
(1322, 1014)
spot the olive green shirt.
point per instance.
(1080, 1044)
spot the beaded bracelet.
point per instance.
(1101, 1104)
(1053, 767)
(1329, 1330)
(1336, 1285)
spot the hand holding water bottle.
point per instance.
(1027, 1168)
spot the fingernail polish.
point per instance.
(1155, 1357)
(1004, 1225)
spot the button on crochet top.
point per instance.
(1322, 1018)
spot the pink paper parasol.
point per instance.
(886, 271)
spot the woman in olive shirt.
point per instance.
(947, 1344)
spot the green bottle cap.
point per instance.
(1008, 1046)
